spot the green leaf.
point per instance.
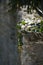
(18, 26)
(41, 27)
(23, 22)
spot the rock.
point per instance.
(32, 49)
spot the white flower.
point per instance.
(22, 27)
(28, 26)
(32, 17)
(34, 11)
(39, 21)
(20, 24)
(27, 20)
(31, 22)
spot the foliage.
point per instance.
(23, 22)
(32, 27)
(14, 4)
(18, 26)
(38, 28)
(19, 39)
(41, 27)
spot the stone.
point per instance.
(32, 49)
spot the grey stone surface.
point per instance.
(32, 49)
(8, 39)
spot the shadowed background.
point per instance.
(8, 39)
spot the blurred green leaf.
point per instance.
(18, 26)
(41, 27)
(23, 22)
